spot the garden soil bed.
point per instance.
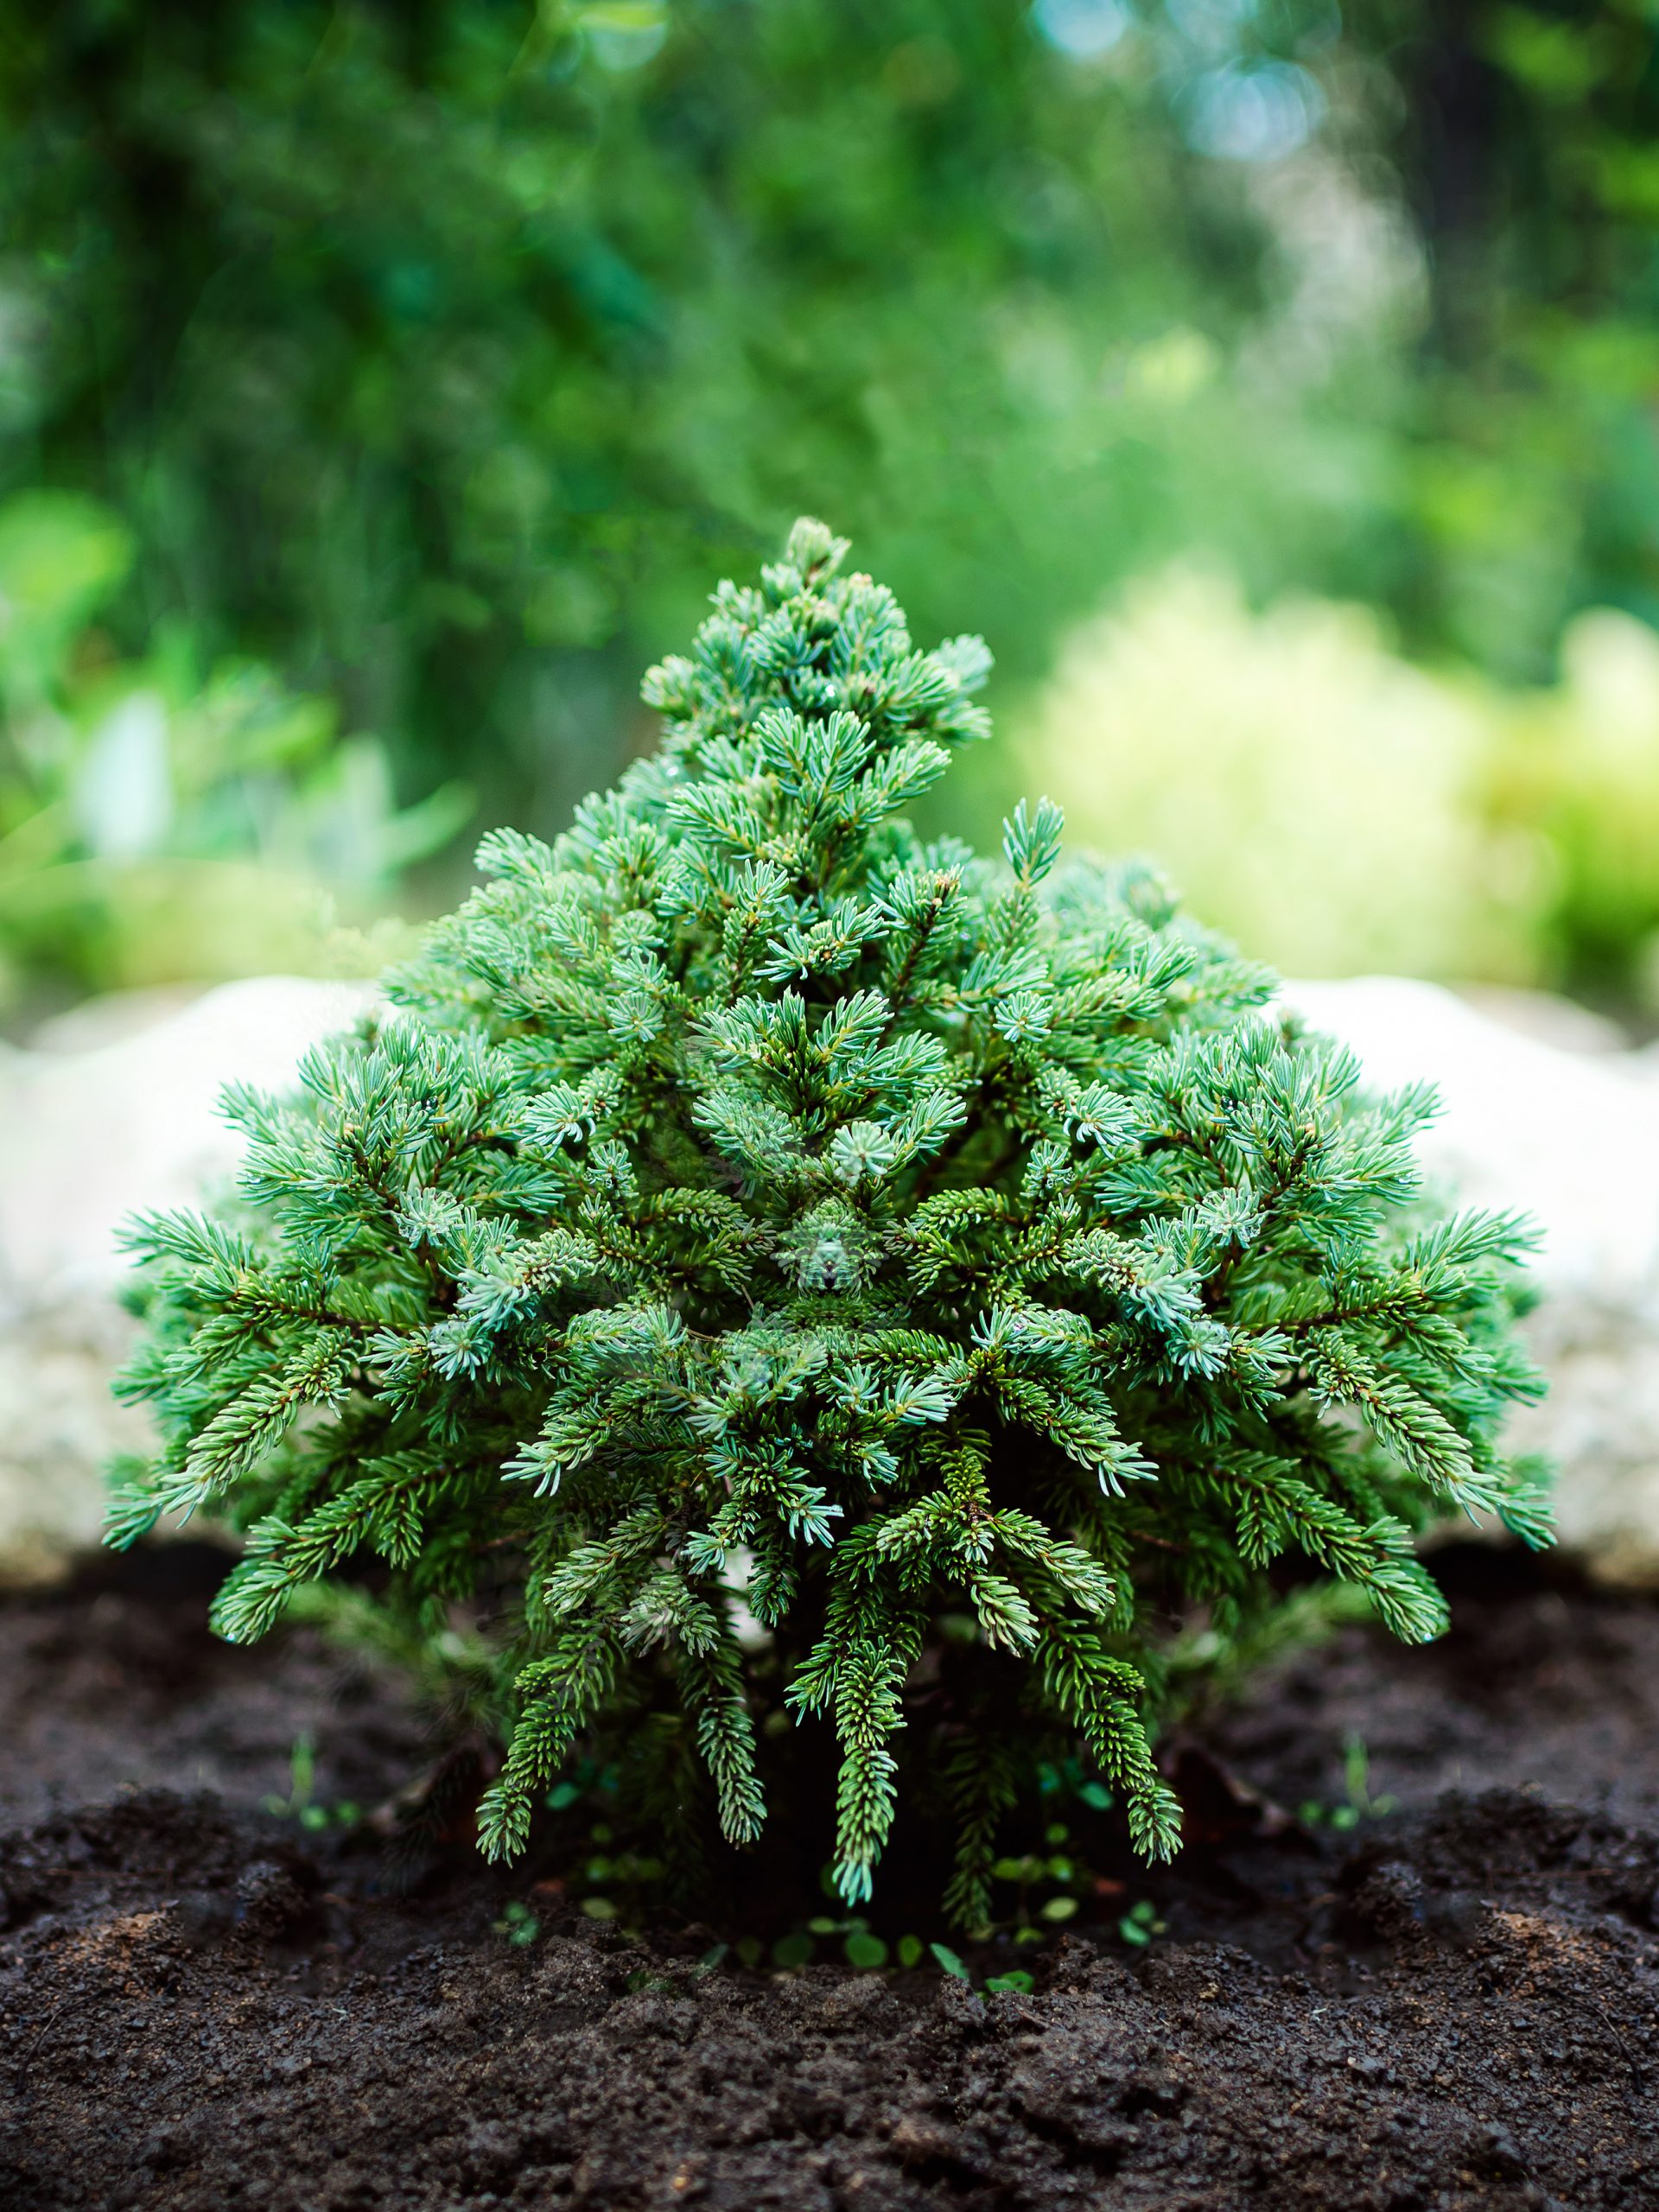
(204, 2004)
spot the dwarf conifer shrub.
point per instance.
(774, 1275)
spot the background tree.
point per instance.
(442, 352)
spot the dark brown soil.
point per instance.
(204, 2004)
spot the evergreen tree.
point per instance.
(776, 1270)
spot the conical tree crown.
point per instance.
(779, 1270)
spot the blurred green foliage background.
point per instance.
(406, 373)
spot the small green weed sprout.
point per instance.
(300, 1803)
(1360, 1804)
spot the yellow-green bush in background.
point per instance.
(1339, 810)
(1315, 795)
(1577, 766)
(159, 822)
